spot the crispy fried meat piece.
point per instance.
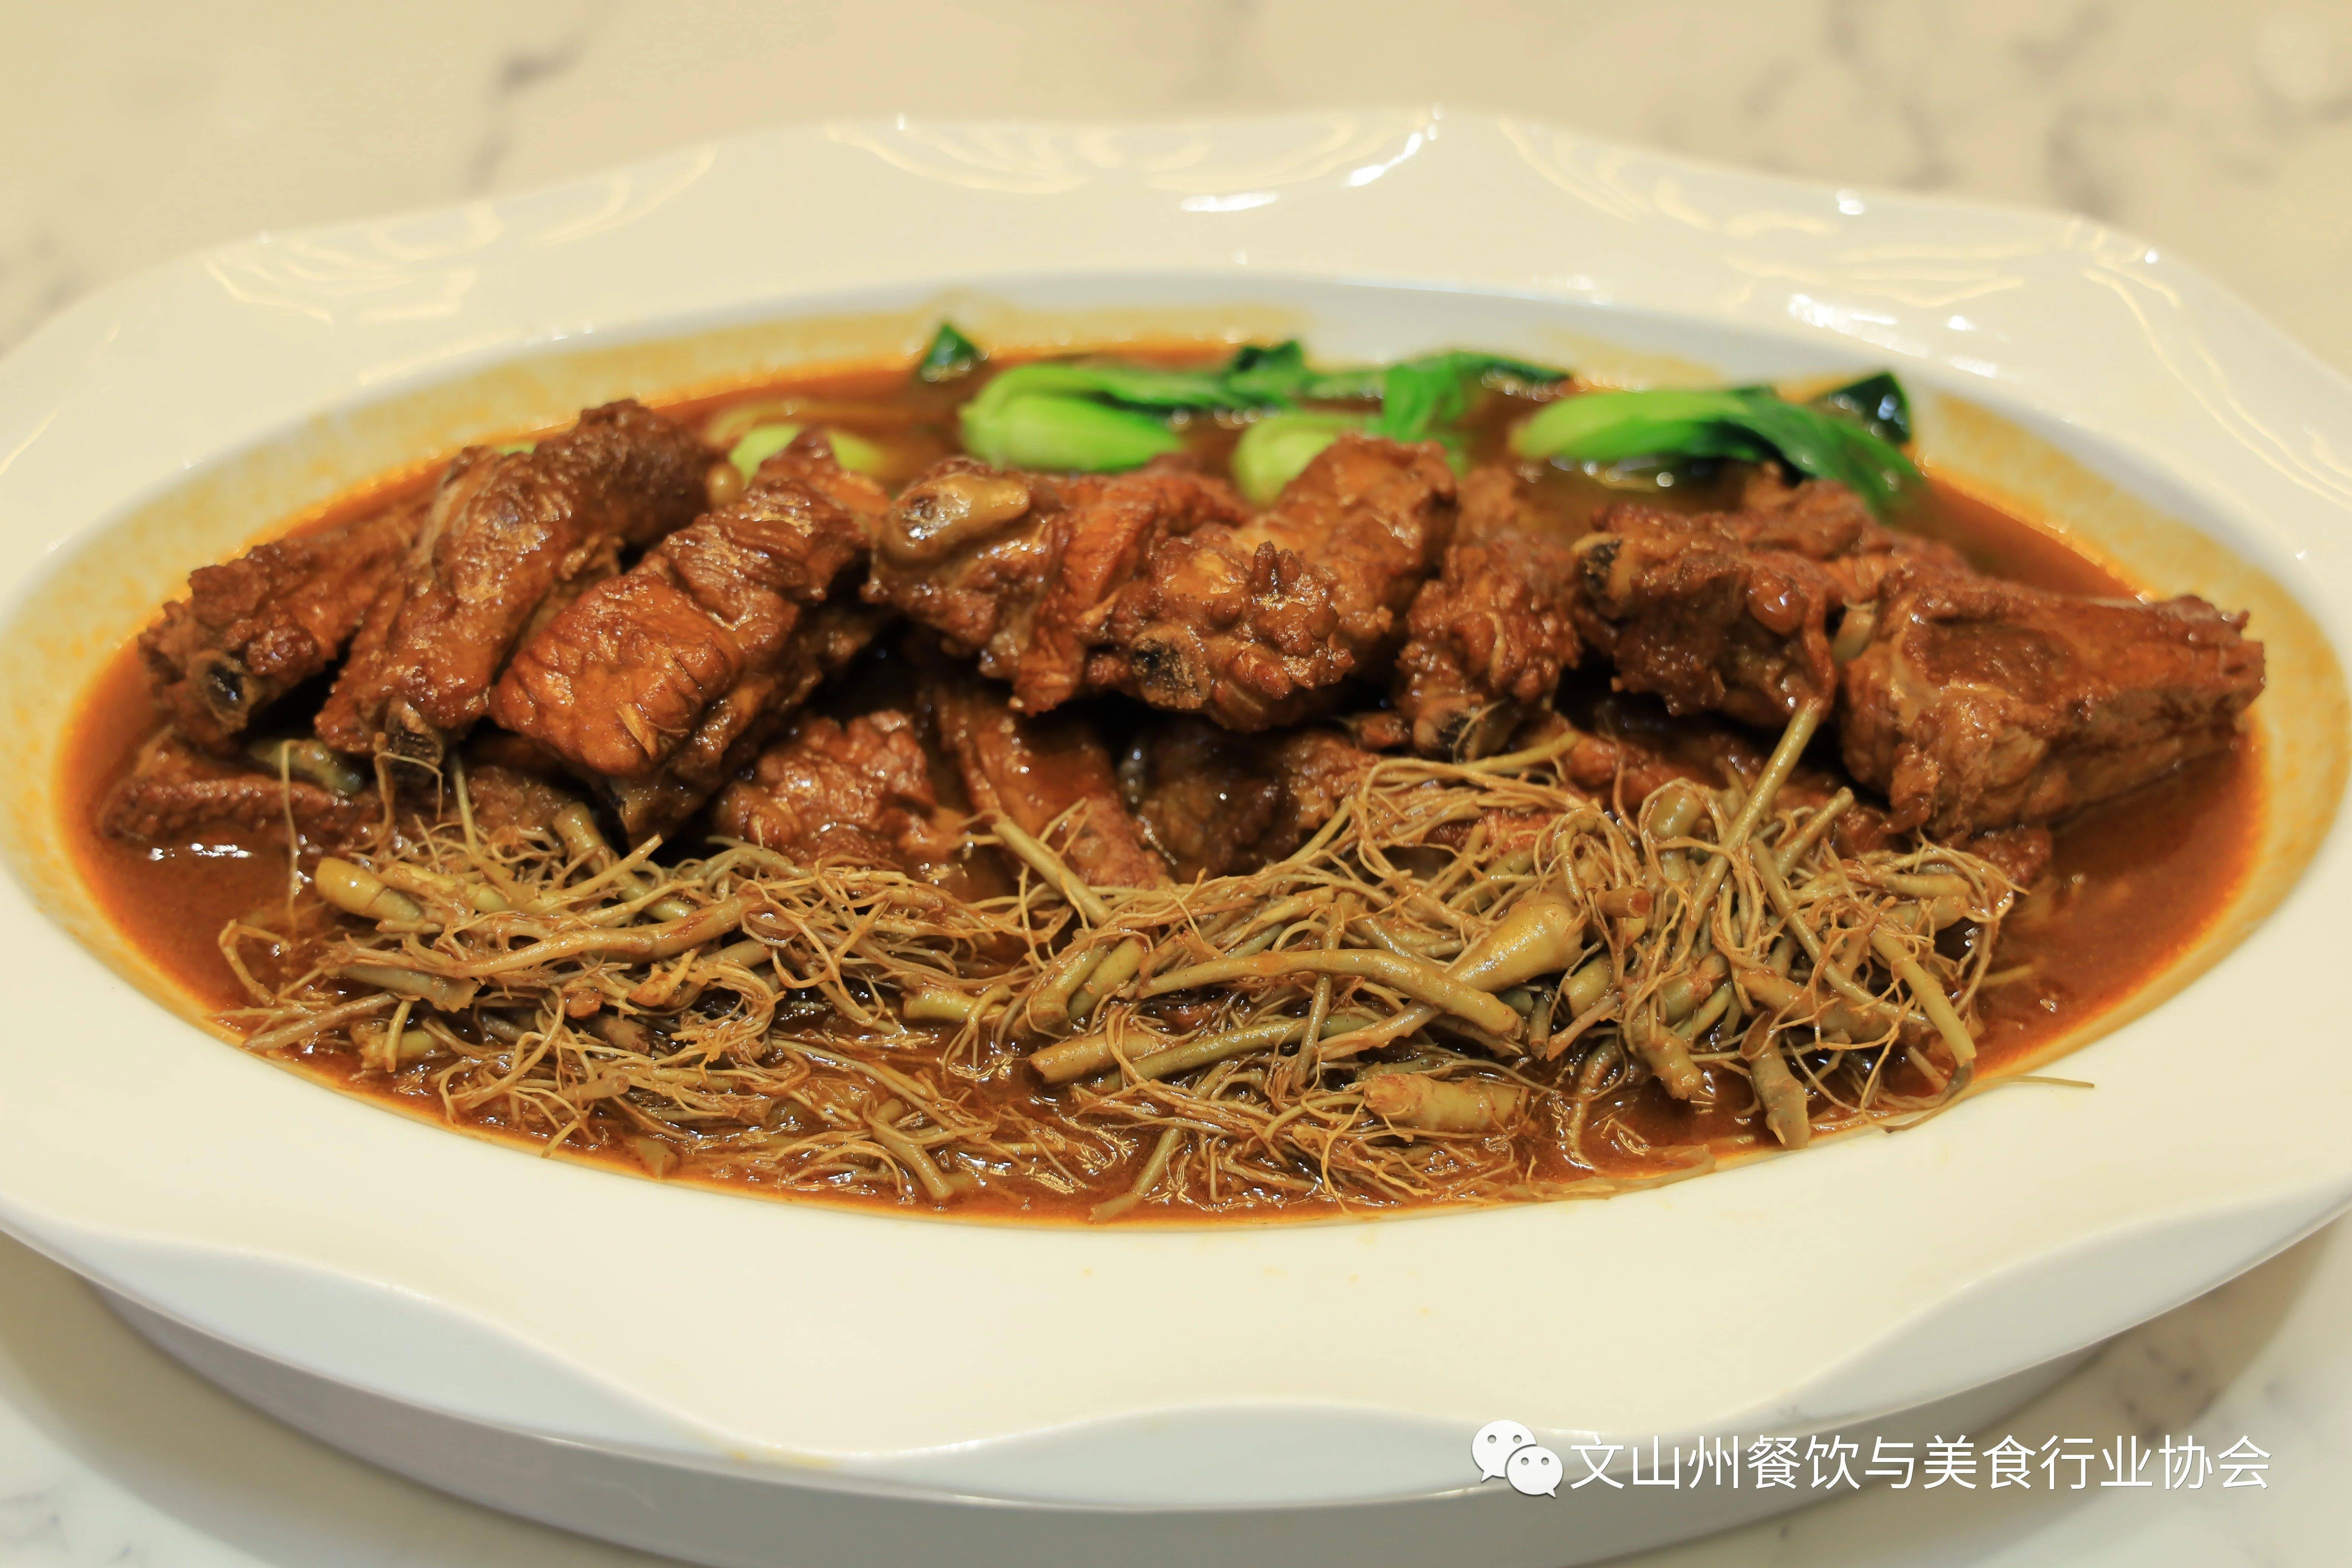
(659, 676)
(174, 791)
(1732, 611)
(1032, 770)
(1491, 632)
(1216, 802)
(1980, 704)
(861, 793)
(252, 628)
(1160, 584)
(511, 538)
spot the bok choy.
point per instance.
(1848, 434)
(1419, 399)
(948, 356)
(1102, 415)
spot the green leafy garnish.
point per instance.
(1418, 396)
(1056, 430)
(1273, 375)
(949, 355)
(1276, 450)
(1821, 439)
(1879, 401)
(1269, 374)
(762, 442)
(1100, 414)
(1114, 381)
(1093, 415)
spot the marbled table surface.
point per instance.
(133, 130)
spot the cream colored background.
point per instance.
(134, 132)
(131, 132)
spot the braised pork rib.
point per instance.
(1160, 585)
(252, 629)
(509, 540)
(1974, 705)
(860, 793)
(659, 683)
(1038, 770)
(1980, 704)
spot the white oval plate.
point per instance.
(154, 425)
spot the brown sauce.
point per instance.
(2134, 882)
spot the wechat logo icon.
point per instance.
(1507, 1449)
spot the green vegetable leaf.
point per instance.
(1274, 451)
(949, 355)
(1092, 415)
(1043, 429)
(1420, 395)
(1270, 376)
(1879, 401)
(1747, 422)
(1135, 386)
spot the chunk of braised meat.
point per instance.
(1979, 704)
(1011, 567)
(660, 676)
(174, 792)
(1034, 769)
(512, 786)
(860, 793)
(1217, 804)
(828, 640)
(1616, 769)
(1976, 705)
(1630, 754)
(252, 629)
(1732, 611)
(1160, 584)
(510, 539)
(1332, 569)
(1493, 632)
(2022, 854)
